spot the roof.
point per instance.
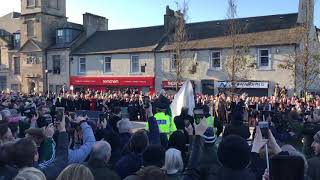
(121, 41)
(10, 22)
(261, 30)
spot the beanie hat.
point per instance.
(234, 152)
(209, 136)
(154, 155)
(178, 141)
(316, 137)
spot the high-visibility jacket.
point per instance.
(165, 123)
(210, 123)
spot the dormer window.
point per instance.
(30, 3)
(16, 40)
(66, 35)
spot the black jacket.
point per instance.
(7, 172)
(101, 171)
(237, 128)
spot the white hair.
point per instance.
(124, 125)
(30, 174)
(173, 161)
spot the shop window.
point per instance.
(3, 83)
(56, 64)
(216, 60)
(58, 89)
(82, 65)
(107, 64)
(135, 64)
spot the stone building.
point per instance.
(109, 57)
(35, 45)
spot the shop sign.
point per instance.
(243, 85)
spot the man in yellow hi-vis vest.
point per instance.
(166, 125)
(212, 121)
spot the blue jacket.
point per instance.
(80, 155)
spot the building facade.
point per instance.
(272, 40)
(35, 45)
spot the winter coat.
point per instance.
(80, 155)
(208, 160)
(101, 171)
(229, 174)
(128, 165)
(314, 168)
(7, 172)
(237, 128)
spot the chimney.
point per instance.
(169, 20)
(93, 23)
(306, 12)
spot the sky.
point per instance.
(140, 13)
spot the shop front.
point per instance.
(252, 88)
(144, 84)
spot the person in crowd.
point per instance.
(132, 162)
(98, 162)
(148, 173)
(237, 127)
(25, 153)
(154, 155)
(173, 164)
(213, 122)
(181, 120)
(76, 172)
(221, 109)
(314, 163)
(5, 132)
(7, 171)
(80, 154)
(30, 174)
(125, 131)
(178, 140)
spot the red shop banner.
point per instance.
(112, 81)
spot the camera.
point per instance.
(146, 102)
(264, 127)
(59, 114)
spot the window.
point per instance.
(15, 87)
(216, 60)
(16, 42)
(32, 60)
(51, 88)
(30, 3)
(107, 64)
(135, 65)
(16, 65)
(82, 65)
(30, 28)
(3, 83)
(56, 62)
(264, 58)
(60, 36)
(53, 4)
(173, 62)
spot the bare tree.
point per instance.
(180, 43)
(304, 64)
(237, 63)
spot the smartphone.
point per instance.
(60, 113)
(279, 169)
(264, 127)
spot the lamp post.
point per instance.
(47, 81)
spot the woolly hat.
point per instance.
(234, 152)
(154, 155)
(209, 136)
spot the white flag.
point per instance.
(184, 98)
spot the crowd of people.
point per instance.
(39, 142)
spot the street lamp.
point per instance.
(47, 79)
